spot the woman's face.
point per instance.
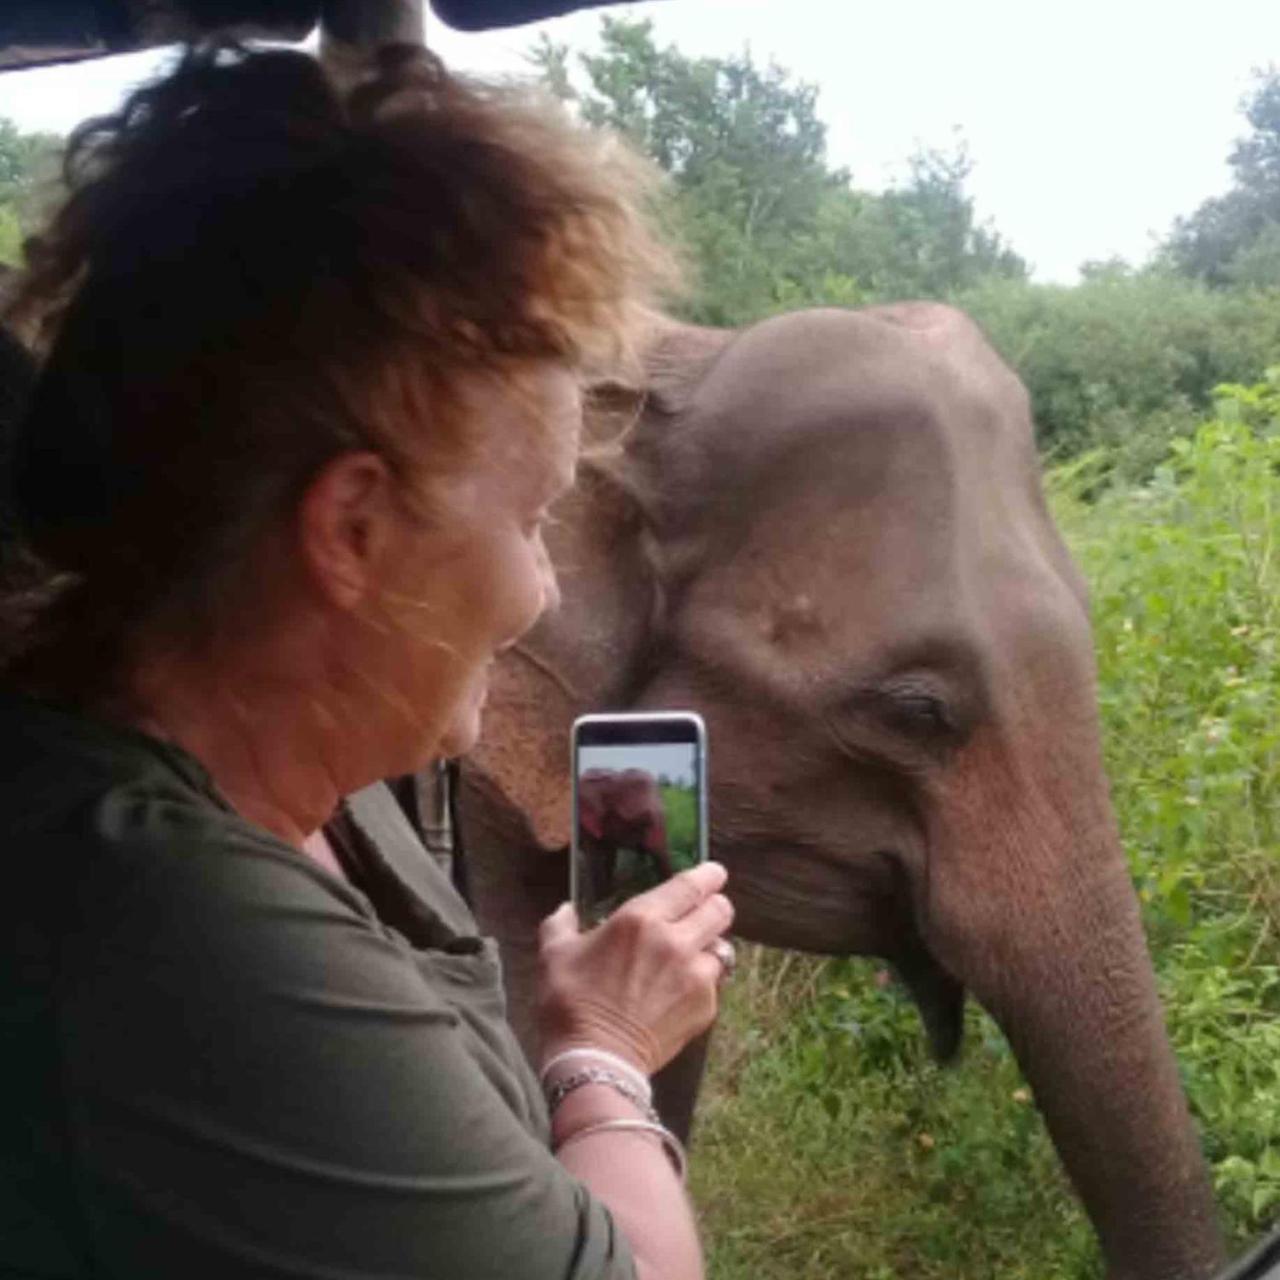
(480, 576)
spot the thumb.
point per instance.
(561, 923)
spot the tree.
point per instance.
(1118, 356)
(743, 147)
(1113, 269)
(770, 224)
(922, 239)
(1217, 242)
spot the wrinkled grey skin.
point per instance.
(826, 533)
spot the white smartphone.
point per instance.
(639, 805)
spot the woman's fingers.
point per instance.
(681, 894)
(705, 923)
(709, 969)
(561, 923)
(644, 982)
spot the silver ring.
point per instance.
(723, 951)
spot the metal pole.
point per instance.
(350, 30)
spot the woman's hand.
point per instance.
(643, 983)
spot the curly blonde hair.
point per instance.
(254, 271)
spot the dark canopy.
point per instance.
(40, 31)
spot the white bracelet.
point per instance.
(670, 1143)
(605, 1058)
(565, 1084)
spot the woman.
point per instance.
(309, 388)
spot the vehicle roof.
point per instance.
(38, 32)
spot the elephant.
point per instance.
(620, 811)
(827, 534)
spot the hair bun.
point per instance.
(233, 125)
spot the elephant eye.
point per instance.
(908, 708)
(919, 713)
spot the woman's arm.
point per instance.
(262, 1081)
(632, 1175)
(638, 987)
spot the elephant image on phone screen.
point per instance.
(628, 840)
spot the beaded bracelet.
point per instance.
(563, 1087)
(670, 1143)
(602, 1056)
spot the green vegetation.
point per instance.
(768, 223)
(1125, 359)
(831, 1146)
(27, 161)
(1235, 238)
(681, 807)
(771, 225)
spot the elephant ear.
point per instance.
(524, 750)
(588, 655)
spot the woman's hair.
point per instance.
(253, 272)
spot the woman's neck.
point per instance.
(270, 743)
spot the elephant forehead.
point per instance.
(817, 598)
(936, 380)
(880, 551)
(814, 572)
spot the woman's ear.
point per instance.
(347, 524)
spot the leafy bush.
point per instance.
(1119, 357)
(1187, 617)
(680, 806)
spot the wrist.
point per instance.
(596, 1026)
(650, 1130)
(565, 1062)
(589, 1106)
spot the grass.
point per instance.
(680, 804)
(829, 1146)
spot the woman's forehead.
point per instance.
(535, 417)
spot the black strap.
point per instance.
(461, 873)
(448, 775)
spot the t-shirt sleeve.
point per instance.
(260, 1082)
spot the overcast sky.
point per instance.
(674, 760)
(1092, 124)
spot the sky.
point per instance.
(675, 760)
(1092, 125)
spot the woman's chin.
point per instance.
(462, 735)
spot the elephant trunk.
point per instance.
(1033, 910)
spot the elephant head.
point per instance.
(624, 809)
(620, 810)
(827, 534)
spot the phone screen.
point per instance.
(639, 806)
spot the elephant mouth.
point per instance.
(938, 996)
(823, 909)
(935, 992)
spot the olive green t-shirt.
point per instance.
(219, 1060)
